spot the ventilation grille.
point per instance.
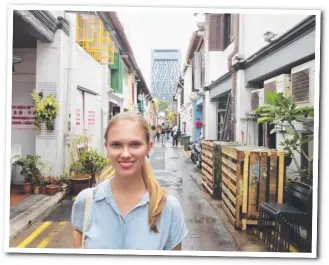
(269, 87)
(47, 88)
(254, 101)
(301, 85)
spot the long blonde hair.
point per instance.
(156, 192)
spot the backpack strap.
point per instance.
(89, 200)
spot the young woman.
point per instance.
(129, 210)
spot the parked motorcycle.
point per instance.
(196, 152)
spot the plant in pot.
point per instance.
(31, 171)
(94, 163)
(44, 181)
(46, 110)
(52, 188)
(80, 178)
(36, 185)
(285, 115)
(79, 145)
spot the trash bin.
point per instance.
(186, 140)
(181, 138)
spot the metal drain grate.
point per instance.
(61, 213)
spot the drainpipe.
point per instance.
(68, 116)
(233, 71)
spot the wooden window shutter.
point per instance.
(216, 32)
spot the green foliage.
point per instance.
(282, 110)
(46, 110)
(284, 114)
(31, 168)
(172, 116)
(93, 162)
(85, 160)
(79, 144)
(163, 105)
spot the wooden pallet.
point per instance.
(250, 176)
(208, 165)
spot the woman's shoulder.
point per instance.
(172, 203)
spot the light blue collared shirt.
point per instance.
(108, 229)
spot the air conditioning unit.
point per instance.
(257, 98)
(280, 84)
(302, 83)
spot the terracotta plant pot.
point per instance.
(25, 188)
(36, 190)
(52, 189)
(79, 183)
(42, 190)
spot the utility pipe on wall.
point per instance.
(234, 77)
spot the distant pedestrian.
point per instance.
(175, 133)
(163, 134)
(168, 133)
(158, 132)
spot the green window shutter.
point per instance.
(115, 80)
(121, 74)
(115, 65)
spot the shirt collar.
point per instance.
(103, 190)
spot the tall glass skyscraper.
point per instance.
(165, 73)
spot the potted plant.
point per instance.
(46, 110)
(80, 178)
(36, 188)
(93, 163)
(43, 185)
(52, 188)
(284, 114)
(31, 171)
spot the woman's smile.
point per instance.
(126, 165)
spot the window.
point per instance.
(215, 32)
(229, 29)
(221, 31)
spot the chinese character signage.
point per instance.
(78, 117)
(91, 117)
(22, 116)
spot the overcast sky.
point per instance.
(156, 30)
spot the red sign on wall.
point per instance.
(77, 117)
(91, 117)
(22, 116)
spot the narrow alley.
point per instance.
(206, 230)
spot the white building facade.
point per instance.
(244, 56)
(51, 60)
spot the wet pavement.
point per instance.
(206, 231)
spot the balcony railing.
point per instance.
(92, 36)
